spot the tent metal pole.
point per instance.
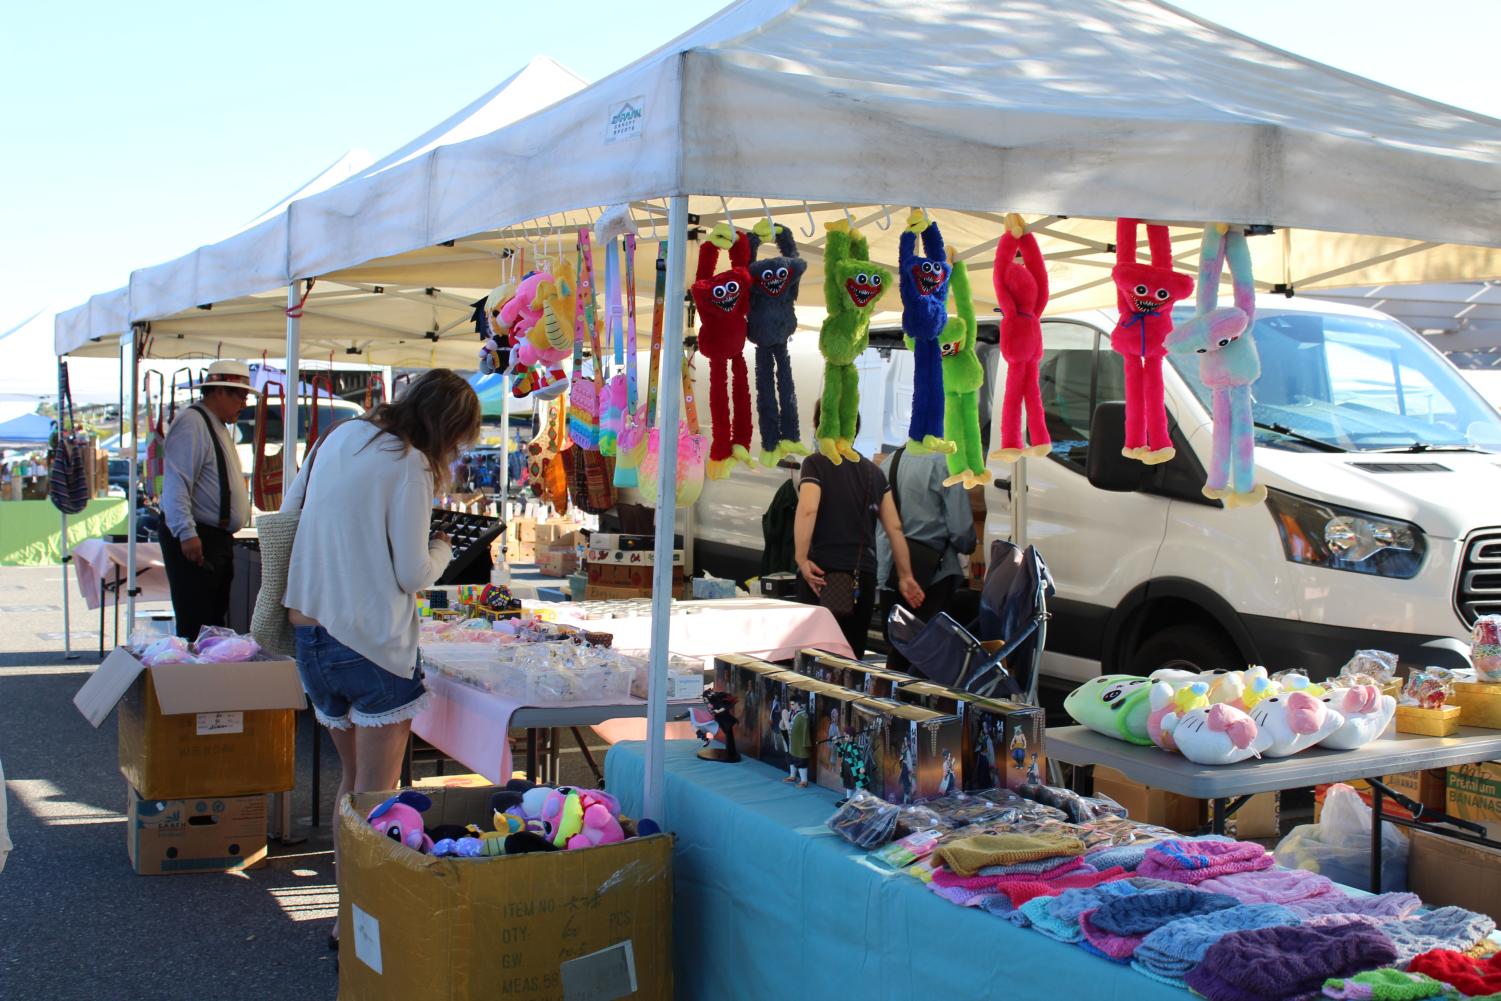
(503, 478)
(1019, 504)
(133, 491)
(62, 540)
(661, 583)
(292, 392)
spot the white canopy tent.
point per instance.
(1073, 110)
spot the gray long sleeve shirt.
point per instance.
(190, 485)
(931, 512)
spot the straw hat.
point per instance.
(229, 374)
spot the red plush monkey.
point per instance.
(1022, 291)
(723, 302)
(1145, 294)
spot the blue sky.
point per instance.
(135, 132)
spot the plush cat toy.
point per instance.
(1216, 735)
(1021, 289)
(1228, 364)
(1295, 721)
(1116, 705)
(852, 285)
(1145, 294)
(924, 285)
(1167, 699)
(775, 283)
(723, 303)
(963, 376)
(1367, 714)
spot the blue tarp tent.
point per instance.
(26, 431)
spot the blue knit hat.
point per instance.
(1168, 953)
(1142, 913)
(1058, 917)
(1128, 857)
(1441, 928)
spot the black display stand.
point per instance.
(470, 535)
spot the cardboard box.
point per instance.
(857, 676)
(740, 676)
(522, 529)
(833, 717)
(557, 562)
(1149, 805)
(939, 698)
(1261, 817)
(1447, 872)
(627, 557)
(633, 575)
(614, 540)
(1442, 722)
(1474, 793)
(522, 926)
(1479, 703)
(916, 753)
(166, 837)
(780, 697)
(1004, 744)
(189, 730)
(609, 592)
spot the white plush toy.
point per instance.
(1216, 735)
(1367, 715)
(1295, 721)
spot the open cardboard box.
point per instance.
(189, 730)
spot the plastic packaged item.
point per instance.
(1339, 845)
(915, 817)
(865, 821)
(1079, 809)
(1429, 688)
(903, 852)
(1368, 667)
(1485, 648)
(220, 645)
(168, 650)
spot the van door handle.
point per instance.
(1003, 484)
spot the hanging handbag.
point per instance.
(269, 623)
(925, 558)
(631, 444)
(593, 472)
(67, 479)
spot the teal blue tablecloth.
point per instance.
(769, 904)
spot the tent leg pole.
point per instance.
(292, 397)
(661, 585)
(133, 491)
(1019, 504)
(68, 653)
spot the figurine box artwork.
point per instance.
(857, 676)
(939, 698)
(916, 753)
(834, 722)
(1003, 744)
(741, 676)
(782, 696)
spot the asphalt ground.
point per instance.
(75, 921)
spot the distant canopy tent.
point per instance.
(26, 431)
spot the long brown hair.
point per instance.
(438, 415)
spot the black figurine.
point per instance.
(720, 704)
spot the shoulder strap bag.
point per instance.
(269, 624)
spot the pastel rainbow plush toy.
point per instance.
(1216, 735)
(581, 818)
(1145, 294)
(723, 302)
(1293, 682)
(924, 285)
(852, 285)
(1021, 289)
(400, 819)
(1116, 705)
(1295, 721)
(775, 283)
(1179, 701)
(1367, 714)
(1228, 364)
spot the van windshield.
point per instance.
(1355, 383)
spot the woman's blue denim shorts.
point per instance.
(345, 687)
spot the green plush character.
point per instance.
(962, 378)
(851, 287)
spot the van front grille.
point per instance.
(1479, 588)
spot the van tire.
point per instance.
(1193, 647)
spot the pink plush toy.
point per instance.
(1022, 291)
(1145, 294)
(1166, 699)
(536, 361)
(400, 819)
(581, 818)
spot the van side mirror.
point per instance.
(1106, 468)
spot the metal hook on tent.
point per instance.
(812, 226)
(849, 218)
(653, 217)
(886, 227)
(771, 223)
(724, 206)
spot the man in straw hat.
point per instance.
(204, 500)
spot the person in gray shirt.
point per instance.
(204, 500)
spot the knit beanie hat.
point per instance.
(1056, 869)
(967, 856)
(1466, 973)
(1384, 985)
(1286, 961)
(1169, 952)
(1118, 926)
(1021, 892)
(1058, 917)
(1128, 857)
(1441, 928)
(1271, 886)
(1377, 905)
(1186, 861)
(1034, 867)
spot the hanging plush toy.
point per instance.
(535, 316)
(495, 348)
(774, 286)
(723, 302)
(852, 285)
(924, 285)
(962, 378)
(1021, 289)
(1228, 364)
(1145, 294)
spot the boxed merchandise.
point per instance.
(1440, 722)
(1149, 805)
(627, 557)
(612, 592)
(685, 677)
(620, 540)
(1479, 703)
(1474, 793)
(915, 754)
(1445, 872)
(557, 562)
(873, 681)
(637, 575)
(534, 926)
(780, 698)
(220, 834)
(939, 698)
(741, 676)
(199, 729)
(1004, 743)
(833, 717)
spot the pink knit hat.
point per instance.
(1190, 861)
(1271, 886)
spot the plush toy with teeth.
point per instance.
(963, 376)
(851, 287)
(1022, 291)
(774, 285)
(723, 303)
(924, 285)
(1145, 294)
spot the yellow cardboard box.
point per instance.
(1474, 793)
(1446, 872)
(522, 926)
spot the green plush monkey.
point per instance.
(962, 378)
(851, 287)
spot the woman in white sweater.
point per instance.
(363, 551)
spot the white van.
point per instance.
(1382, 529)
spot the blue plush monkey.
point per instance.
(774, 287)
(925, 291)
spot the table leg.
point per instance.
(1217, 818)
(531, 755)
(103, 591)
(117, 608)
(553, 755)
(317, 767)
(599, 778)
(1376, 807)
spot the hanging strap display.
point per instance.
(325, 382)
(67, 472)
(172, 406)
(266, 477)
(612, 407)
(375, 391)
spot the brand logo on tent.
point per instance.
(625, 120)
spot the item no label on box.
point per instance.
(217, 723)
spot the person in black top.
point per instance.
(834, 534)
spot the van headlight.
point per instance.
(1326, 535)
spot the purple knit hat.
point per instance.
(1269, 964)
(1271, 886)
(1379, 905)
(1186, 861)
(1118, 925)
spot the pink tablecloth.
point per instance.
(471, 726)
(96, 560)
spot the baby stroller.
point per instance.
(1013, 612)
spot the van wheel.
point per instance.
(1187, 648)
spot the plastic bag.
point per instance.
(168, 650)
(865, 821)
(1079, 809)
(1339, 845)
(218, 645)
(1370, 667)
